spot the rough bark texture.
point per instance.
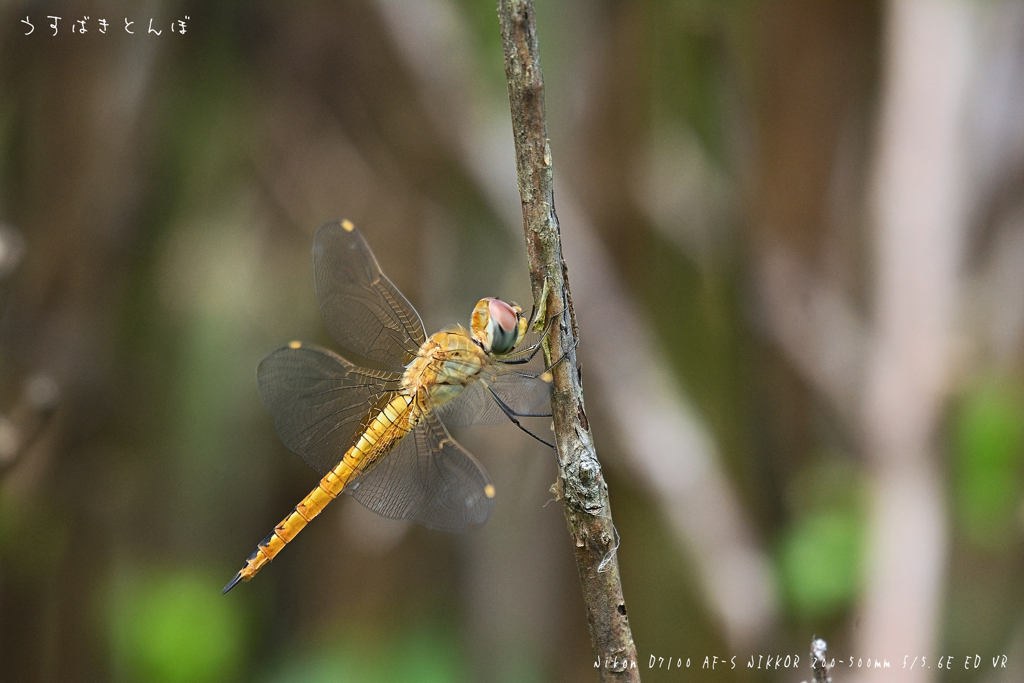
(582, 486)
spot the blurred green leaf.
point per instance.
(336, 666)
(418, 656)
(177, 628)
(821, 561)
(988, 430)
(425, 657)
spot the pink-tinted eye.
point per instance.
(503, 314)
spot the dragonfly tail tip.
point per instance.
(233, 583)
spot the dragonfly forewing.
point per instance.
(361, 308)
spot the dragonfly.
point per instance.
(372, 420)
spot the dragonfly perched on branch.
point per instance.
(372, 421)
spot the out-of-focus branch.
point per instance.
(919, 210)
(83, 122)
(12, 250)
(25, 421)
(668, 445)
(995, 304)
(585, 492)
(22, 425)
(951, 147)
(996, 158)
(815, 326)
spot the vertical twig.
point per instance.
(583, 489)
(818, 662)
(920, 204)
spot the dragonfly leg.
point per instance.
(563, 356)
(527, 354)
(535, 375)
(511, 414)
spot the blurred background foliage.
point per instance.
(159, 194)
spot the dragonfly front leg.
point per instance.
(550, 367)
(527, 354)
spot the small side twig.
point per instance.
(818, 661)
(25, 422)
(581, 483)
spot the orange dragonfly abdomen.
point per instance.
(393, 422)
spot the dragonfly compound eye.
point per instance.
(503, 326)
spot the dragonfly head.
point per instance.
(497, 325)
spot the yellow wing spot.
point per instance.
(347, 224)
(294, 344)
(489, 490)
(547, 377)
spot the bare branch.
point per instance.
(666, 441)
(584, 491)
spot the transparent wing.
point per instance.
(318, 400)
(362, 310)
(525, 394)
(428, 478)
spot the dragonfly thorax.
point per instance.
(445, 364)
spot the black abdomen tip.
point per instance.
(232, 583)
